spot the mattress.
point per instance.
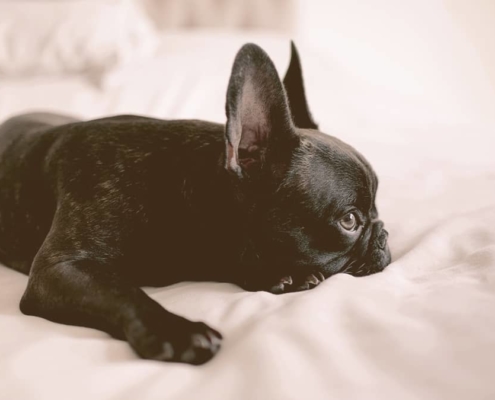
(422, 329)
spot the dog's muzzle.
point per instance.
(375, 256)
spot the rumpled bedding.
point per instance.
(422, 329)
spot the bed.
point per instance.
(422, 329)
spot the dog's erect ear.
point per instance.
(259, 124)
(294, 86)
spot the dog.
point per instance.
(93, 210)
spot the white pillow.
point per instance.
(54, 37)
(275, 15)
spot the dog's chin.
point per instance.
(369, 256)
(296, 280)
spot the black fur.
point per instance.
(93, 210)
(294, 85)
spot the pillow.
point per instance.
(275, 15)
(60, 37)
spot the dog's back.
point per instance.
(141, 166)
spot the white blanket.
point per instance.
(423, 329)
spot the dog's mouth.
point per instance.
(369, 256)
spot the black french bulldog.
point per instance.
(94, 210)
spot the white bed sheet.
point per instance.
(423, 329)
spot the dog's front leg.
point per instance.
(87, 294)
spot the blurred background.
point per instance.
(430, 61)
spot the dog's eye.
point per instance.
(349, 222)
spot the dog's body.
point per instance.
(137, 192)
(93, 210)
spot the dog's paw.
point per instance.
(289, 284)
(176, 341)
(202, 345)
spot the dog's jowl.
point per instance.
(92, 210)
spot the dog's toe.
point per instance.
(282, 286)
(310, 281)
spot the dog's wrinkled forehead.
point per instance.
(330, 174)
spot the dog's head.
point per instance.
(311, 197)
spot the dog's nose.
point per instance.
(382, 239)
